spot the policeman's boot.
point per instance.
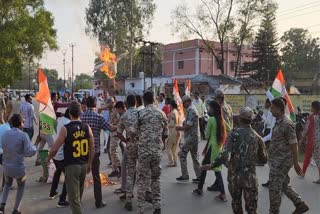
(128, 206)
(301, 208)
(157, 211)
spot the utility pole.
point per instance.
(64, 51)
(72, 45)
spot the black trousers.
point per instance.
(96, 179)
(202, 127)
(3, 179)
(56, 178)
(219, 179)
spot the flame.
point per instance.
(110, 60)
(104, 181)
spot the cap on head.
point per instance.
(186, 98)
(246, 113)
(218, 93)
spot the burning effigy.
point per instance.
(109, 61)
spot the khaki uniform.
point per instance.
(114, 141)
(227, 116)
(246, 148)
(191, 141)
(280, 162)
(127, 122)
(152, 126)
(174, 137)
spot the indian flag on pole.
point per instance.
(177, 98)
(188, 88)
(279, 90)
(46, 110)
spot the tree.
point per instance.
(83, 81)
(265, 47)
(300, 52)
(247, 13)
(26, 30)
(53, 79)
(212, 20)
(117, 23)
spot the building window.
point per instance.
(180, 64)
(232, 66)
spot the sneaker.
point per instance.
(183, 179)
(196, 180)
(63, 204)
(2, 208)
(101, 205)
(157, 211)
(128, 206)
(197, 192)
(114, 174)
(302, 208)
(16, 212)
(266, 184)
(53, 196)
(213, 188)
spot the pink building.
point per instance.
(190, 58)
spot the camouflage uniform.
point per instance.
(152, 126)
(227, 115)
(114, 141)
(191, 141)
(246, 148)
(127, 122)
(280, 162)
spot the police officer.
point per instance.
(283, 154)
(191, 138)
(152, 127)
(78, 150)
(245, 147)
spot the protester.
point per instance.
(198, 103)
(244, 147)
(192, 138)
(2, 108)
(78, 147)
(56, 104)
(58, 160)
(311, 137)
(16, 145)
(152, 128)
(216, 136)
(162, 101)
(140, 105)
(3, 128)
(27, 112)
(166, 108)
(84, 107)
(96, 123)
(174, 135)
(283, 153)
(9, 107)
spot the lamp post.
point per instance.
(64, 52)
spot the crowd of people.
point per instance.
(143, 127)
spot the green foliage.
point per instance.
(83, 81)
(55, 84)
(265, 47)
(300, 52)
(26, 30)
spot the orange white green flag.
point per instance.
(46, 110)
(177, 98)
(279, 90)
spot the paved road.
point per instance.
(176, 197)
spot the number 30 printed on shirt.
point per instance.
(82, 148)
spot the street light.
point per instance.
(64, 52)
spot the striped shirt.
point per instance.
(96, 123)
(27, 112)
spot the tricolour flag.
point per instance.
(188, 88)
(46, 111)
(279, 90)
(177, 98)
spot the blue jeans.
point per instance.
(29, 132)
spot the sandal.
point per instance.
(119, 191)
(221, 198)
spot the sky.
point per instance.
(70, 24)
